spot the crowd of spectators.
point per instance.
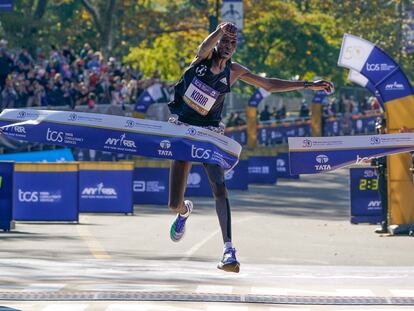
(65, 77)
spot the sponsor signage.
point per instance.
(150, 185)
(116, 134)
(45, 195)
(237, 179)
(197, 183)
(365, 201)
(282, 167)
(6, 195)
(262, 170)
(105, 189)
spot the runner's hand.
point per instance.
(322, 85)
(229, 29)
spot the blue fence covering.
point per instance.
(282, 166)
(197, 183)
(6, 195)
(106, 187)
(365, 200)
(45, 192)
(236, 179)
(150, 185)
(59, 155)
(262, 170)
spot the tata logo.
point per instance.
(201, 70)
(54, 136)
(394, 86)
(122, 141)
(99, 190)
(28, 196)
(200, 153)
(374, 203)
(322, 160)
(194, 179)
(73, 117)
(307, 143)
(363, 160)
(375, 140)
(129, 123)
(379, 67)
(165, 145)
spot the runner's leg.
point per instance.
(178, 181)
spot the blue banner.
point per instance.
(262, 170)
(151, 185)
(365, 200)
(312, 155)
(6, 195)
(257, 97)
(237, 179)
(121, 135)
(331, 127)
(319, 97)
(197, 183)
(239, 135)
(6, 5)
(105, 191)
(45, 196)
(59, 155)
(282, 166)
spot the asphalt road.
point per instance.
(293, 240)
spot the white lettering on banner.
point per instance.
(120, 142)
(307, 143)
(394, 86)
(379, 67)
(99, 192)
(54, 136)
(229, 175)
(165, 145)
(369, 173)
(374, 204)
(200, 153)
(281, 165)
(259, 169)
(148, 186)
(322, 160)
(39, 196)
(194, 180)
(363, 160)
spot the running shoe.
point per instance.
(178, 226)
(229, 262)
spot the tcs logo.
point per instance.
(54, 136)
(28, 196)
(200, 153)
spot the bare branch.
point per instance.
(94, 12)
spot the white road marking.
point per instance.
(65, 307)
(47, 287)
(402, 292)
(214, 289)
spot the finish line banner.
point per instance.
(311, 155)
(120, 135)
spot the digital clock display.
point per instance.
(368, 184)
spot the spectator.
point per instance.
(281, 111)
(265, 114)
(238, 120)
(8, 95)
(304, 110)
(6, 67)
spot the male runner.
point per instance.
(198, 101)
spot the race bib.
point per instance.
(200, 96)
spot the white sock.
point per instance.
(228, 245)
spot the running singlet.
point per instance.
(199, 95)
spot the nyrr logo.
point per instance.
(307, 143)
(379, 67)
(322, 160)
(394, 86)
(165, 145)
(15, 129)
(280, 165)
(201, 70)
(200, 153)
(120, 142)
(374, 203)
(28, 196)
(99, 190)
(54, 136)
